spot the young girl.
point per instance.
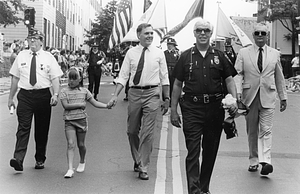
(73, 99)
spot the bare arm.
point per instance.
(55, 87)
(176, 93)
(73, 106)
(13, 90)
(97, 104)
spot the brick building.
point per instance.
(62, 21)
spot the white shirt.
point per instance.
(295, 62)
(155, 69)
(47, 69)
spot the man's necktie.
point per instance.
(140, 67)
(32, 77)
(259, 60)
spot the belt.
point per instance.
(203, 98)
(144, 87)
(35, 90)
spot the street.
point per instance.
(109, 166)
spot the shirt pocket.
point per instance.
(215, 70)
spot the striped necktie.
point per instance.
(140, 67)
(260, 58)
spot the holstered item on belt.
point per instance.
(204, 98)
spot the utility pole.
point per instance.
(298, 18)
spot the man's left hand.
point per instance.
(283, 105)
(165, 106)
(54, 100)
(233, 109)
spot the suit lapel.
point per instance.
(253, 57)
(268, 56)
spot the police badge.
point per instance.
(216, 60)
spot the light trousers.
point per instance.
(142, 111)
(259, 122)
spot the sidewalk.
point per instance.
(6, 81)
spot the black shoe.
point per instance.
(266, 169)
(16, 164)
(136, 167)
(125, 99)
(202, 192)
(144, 176)
(253, 168)
(39, 165)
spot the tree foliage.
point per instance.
(285, 12)
(9, 12)
(102, 27)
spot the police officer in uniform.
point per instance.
(201, 69)
(229, 51)
(95, 60)
(172, 56)
(34, 71)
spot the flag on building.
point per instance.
(154, 15)
(196, 10)
(229, 29)
(122, 22)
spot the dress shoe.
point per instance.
(202, 192)
(16, 164)
(253, 168)
(266, 169)
(136, 167)
(143, 175)
(39, 165)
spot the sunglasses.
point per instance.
(260, 33)
(33, 38)
(199, 31)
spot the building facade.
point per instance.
(63, 22)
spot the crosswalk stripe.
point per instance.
(160, 183)
(176, 170)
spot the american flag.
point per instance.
(122, 22)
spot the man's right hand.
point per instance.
(113, 101)
(175, 119)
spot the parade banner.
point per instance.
(122, 22)
(228, 28)
(196, 10)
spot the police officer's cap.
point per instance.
(171, 41)
(35, 33)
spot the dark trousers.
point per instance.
(94, 80)
(202, 123)
(33, 103)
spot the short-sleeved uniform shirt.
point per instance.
(47, 69)
(203, 75)
(76, 95)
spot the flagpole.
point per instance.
(218, 2)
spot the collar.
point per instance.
(37, 52)
(256, 48)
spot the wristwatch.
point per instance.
(167, 98)
(55, 94)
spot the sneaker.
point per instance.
(80, 167)
(39, 165)
(69, 174)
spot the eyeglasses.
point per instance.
(260, 33)
(199, 31)
(33, 39)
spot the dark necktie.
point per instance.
(32, 77)
(140, 67)
(259, 60)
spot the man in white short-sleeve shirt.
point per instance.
(34, 71)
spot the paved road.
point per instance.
(109, 164)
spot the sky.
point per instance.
(176, 11)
